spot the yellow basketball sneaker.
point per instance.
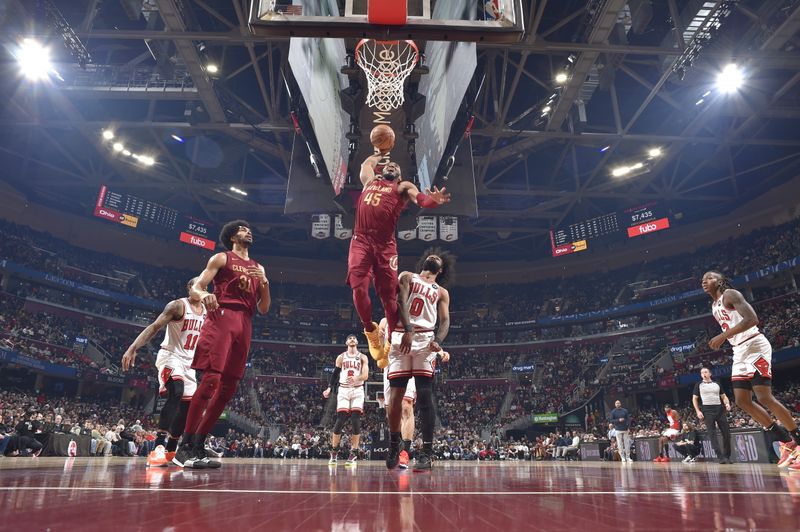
(374, 341)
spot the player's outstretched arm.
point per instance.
(173, 311)
(368, 168)
(443, 310)
(333, 382)
(428, 199)
(199, 289)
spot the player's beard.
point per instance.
(390, 176)
(430, 265)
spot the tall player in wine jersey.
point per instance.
(373, 248)
(240, 288)
(752, 360)
(183, 319)
(350, 374)
(422, 302)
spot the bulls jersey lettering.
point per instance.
(423, 299)
(180, 337)
(728, 318)
(351, 370)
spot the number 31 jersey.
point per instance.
(234, 287)
(180, 337)
(423, 300)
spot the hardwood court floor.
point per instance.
(122, 494)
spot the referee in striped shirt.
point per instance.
(713, 413)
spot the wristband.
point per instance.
(408, 328)
(425, 201)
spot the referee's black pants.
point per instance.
(715, 416)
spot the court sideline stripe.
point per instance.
(409, 492)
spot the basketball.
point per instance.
(382, 137)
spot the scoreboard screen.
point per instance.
(151, 217)
(637, 221)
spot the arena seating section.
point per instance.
(478, 391)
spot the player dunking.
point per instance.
(240, 287)
(752, 360)
(183, 319)
(350, 374)
(407, 425)
(422, 300)
(373, 248)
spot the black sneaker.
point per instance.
(183, 454)
(207, 461)
(393, 456)
(780, 433)
(423, 462)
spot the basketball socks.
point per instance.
(395, 438)
(795, 434)
(172, 444)
(161, 438)
(407, 446)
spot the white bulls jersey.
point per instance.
(728, 318)
(351, 369)
(180, 337)
(423, 300)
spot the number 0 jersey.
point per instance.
(728, 318)
(423, 300)
(180, 337)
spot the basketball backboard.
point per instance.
(453, 20)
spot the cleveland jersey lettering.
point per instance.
(234, 287)
(378, 209)
(728, 318)
(180, 336)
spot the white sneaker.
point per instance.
(692, 460)
(687, 459)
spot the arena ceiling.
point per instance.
(635, 84)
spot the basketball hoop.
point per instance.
(386, 64)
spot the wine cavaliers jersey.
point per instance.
(351, 369)
(379, 207)
(180, 337)
(234, 287)
(728, 318)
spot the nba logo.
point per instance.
(72, 448)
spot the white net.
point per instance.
(386, 64)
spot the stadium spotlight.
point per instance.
(620, 171)
(126, 153)
(108, 134)
(118, 146)
(238, 191)
(34, 60)
(147, 160)
(212, 68)
(654, 152)
(546, 109)
(730, 79)
(561, 77)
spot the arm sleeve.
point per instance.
(333, 383)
